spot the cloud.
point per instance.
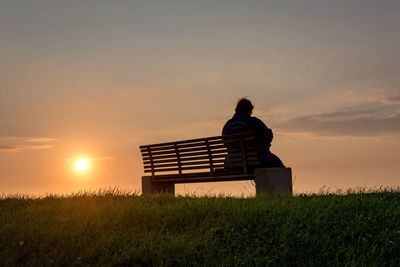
(17, 144)
(379, 117)
(42, 140)
(8, 148)
(393, 100)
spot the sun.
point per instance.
(82, 165)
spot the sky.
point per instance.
(99, 78)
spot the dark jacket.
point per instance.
(240, 123)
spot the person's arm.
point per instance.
(266, 133)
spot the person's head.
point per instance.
(244, 106)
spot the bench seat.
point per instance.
(200, 178)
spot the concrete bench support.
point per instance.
(273, 180)
(149, 187)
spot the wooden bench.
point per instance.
(210, 159)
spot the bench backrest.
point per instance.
(217, 155)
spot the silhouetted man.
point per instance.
(242, 122)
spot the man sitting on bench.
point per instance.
(242, 121)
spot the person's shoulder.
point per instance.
(228, 122)
(256, 120)
(226, 127)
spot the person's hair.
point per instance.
(244, 106)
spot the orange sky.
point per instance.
(99, 79)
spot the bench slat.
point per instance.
(203, 153)
(194, 167)
(200, 159)
(198, 178)
(183, 142)
(184, 159)
(186, 150)
(191, 163)
(182, 164)
(200, 153)
(183, 168)
(167, 152)
(172, 147)
(219, 172)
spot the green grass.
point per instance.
(356, 229)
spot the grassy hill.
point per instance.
(356, 229)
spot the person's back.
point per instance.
(242, 121)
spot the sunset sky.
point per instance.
(96, 79)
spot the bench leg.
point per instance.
(273, 180)
(149, 187)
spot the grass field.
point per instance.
(356, 229)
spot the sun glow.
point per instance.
(82, 165)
